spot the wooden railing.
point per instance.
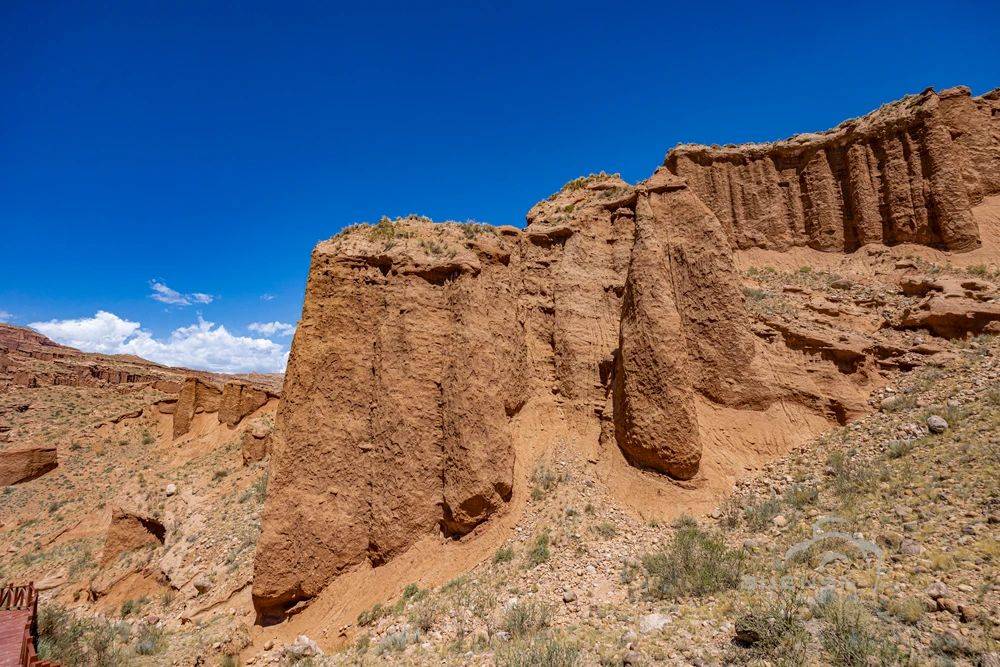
(18, 598)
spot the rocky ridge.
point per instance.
(907, 173)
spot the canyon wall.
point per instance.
(420, 342)
(29, 359)
(907, 173)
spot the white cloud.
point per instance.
(198, 297)
(104, 332)
(5, 316)
(202, 345)
(267, 297)
(164, 294)
(272, 328)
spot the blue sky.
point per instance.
(207, 147)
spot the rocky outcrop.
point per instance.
(255, 443)
(130, 530)
(196, 396)
(907, 173)
(240, 399)
(419, 343)
(29, 359)
(684, 330)
(231, 402)
(23, 465)
(951, 317)
(406, 369)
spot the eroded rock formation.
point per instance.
(255, 443)
(419, 343)
(196, 396)
(29, 359)
(240, 399)
(908, 172)
(232, 402)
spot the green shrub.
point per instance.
(130, 607)
(413, 593)
(370, 616)
(74, 642)
(899, 403)
(393, 643)
(851, 476)
(900, 448)
(729, 513)
(953, 645)
(758, 516)
(755, 294)
(538, 652)
(909, 610)
(504, 555)
(772, 632)
(539, 552)
(524, 618)
(606, 529)
(695, 562)
(544, 481)
(801, 495)
(149, 640)
(424, 615)
(850, 636)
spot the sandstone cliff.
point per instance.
(231, 402)
(419, 343)
(908, 172)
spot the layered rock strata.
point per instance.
(907, 173)
(231, 401)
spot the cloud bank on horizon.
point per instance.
(202, 345)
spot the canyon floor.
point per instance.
(874, 542)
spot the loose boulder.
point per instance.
(130, 530)
(955, 317)
(23, 465)
(256, 443)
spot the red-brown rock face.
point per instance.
(196, 396)
(29, 359)
(419, 342)
(908, 172)
(407, 366)
(24, 465)
(239, 400)
(129, 530)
